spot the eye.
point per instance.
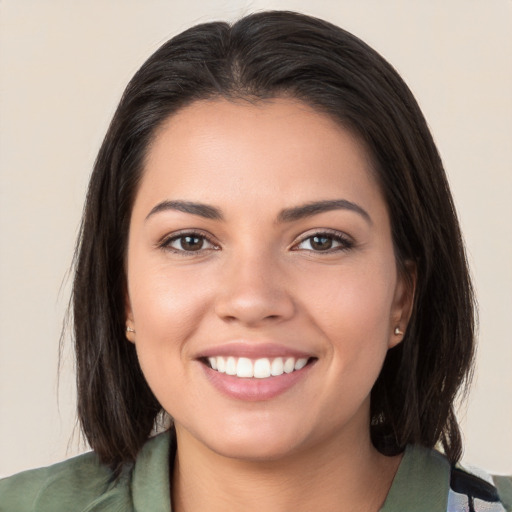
(325, 242)
(189, 242)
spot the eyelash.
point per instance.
(345, 243)
(166, 242)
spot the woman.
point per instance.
(269, 256)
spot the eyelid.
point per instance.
(165, 241)
(346, 241)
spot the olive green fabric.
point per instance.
(504, 486)
(421, 483)
(82, 484)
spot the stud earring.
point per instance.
(129, 329)
(398, 332)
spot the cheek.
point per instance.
(166, 311)
(352, 312)
(164, 300)
(166, 308)
(353, 303)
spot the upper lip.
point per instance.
(252, 350)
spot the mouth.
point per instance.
(260, 368)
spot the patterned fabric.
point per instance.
(472, 493)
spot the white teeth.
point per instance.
(277, 366)
(300, 363)
(221, 364)
(289, 365)
(231, 366)
(262, 368)
(244, 368)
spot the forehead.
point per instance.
(272, 151)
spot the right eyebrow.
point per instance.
(203, 210)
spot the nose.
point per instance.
(253, 292)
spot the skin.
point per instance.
(257, 280)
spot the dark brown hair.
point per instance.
(267, 55)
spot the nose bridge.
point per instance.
(254, 288)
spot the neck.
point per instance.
(345, 476)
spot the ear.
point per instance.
(403, 302)
(130, 323)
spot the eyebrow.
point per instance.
(286, 215)
(203, 210)
(314, 208)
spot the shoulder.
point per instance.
(474, 489)
(69, 485)
(504, 485)
(425, 480)
(83, 484)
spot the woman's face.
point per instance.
(262, 282)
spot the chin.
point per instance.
(257, 450)
(259, 441)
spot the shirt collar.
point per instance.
(151, 477)
(421, 483)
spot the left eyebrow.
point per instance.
(310, 209)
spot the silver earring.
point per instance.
(398, 332)
(129, 329)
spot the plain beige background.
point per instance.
(63, 66)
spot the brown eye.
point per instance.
(191, 243)
(187, 243)
(325, 242)
(321, 243)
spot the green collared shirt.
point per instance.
(82, 484)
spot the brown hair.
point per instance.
(261, 56)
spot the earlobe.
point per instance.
(403, 303)
(396, 337)
(130, 333)
(398, 332)
(130, 324)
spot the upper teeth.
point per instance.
(258, 368)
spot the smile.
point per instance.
(261, 368)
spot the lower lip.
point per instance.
(254, 389)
